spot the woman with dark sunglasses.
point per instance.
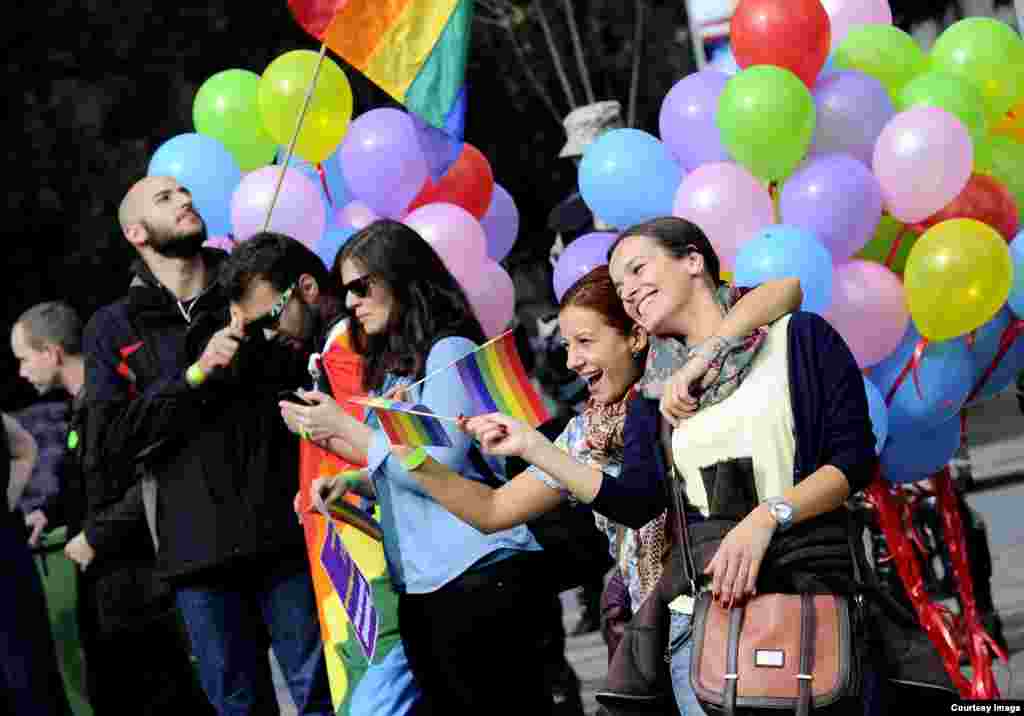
(465, 598)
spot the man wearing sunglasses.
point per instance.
(187, 420)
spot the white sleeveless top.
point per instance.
(755, 422)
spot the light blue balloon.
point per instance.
(915, 456)
(879, 413)
(628, 176)
(1016, 300)
(330, 243)
(945, 374)
(206, 168)
(782, 251)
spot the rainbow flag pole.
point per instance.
(439, 371)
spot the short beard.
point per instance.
(176, 246)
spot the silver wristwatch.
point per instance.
(782, 510)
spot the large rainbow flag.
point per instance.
(496, 381)
(347, 663)
(415, 50)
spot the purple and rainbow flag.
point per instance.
(496, 381)
(407, 423)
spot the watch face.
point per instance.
(782, 512)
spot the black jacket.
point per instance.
(224, 463)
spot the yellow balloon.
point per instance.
(282, 92)
(958, 275)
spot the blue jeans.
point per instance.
(681, 649)
(228, 627)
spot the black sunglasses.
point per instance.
(270, 320)
(359, 287)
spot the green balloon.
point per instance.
(884, 52)
(766, 120)
(878, 248)
(1002, 158)
(987, 53)
(949, 92)
(226, 108)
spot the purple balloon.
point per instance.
(382, 161)
(836, 198)
(580, 258)
(687, 119)
(501, 223)
(299, 211)
(852, 108)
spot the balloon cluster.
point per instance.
(344, 174)
(887, 179)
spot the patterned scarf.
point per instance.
(664, 357)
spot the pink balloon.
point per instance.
(728, 203)
(356, 214)
(922, 159)
(299, 211)
(868, 309)
(491, 293)
(844, 15)
(454, 233)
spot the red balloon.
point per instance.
(793, 34)
(984, 199)
(469, 183)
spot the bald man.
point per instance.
(184, 427)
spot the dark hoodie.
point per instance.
(221, 458)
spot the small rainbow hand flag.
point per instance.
(408, 423)
(496, 381)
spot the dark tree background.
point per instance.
(98, 86)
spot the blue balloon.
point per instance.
(946, 376)
(986, 345)
(785, 251)
(879, 413)
(206, 168)
(628, 176)
(330, 243)
(1016, 300)
(916, 456)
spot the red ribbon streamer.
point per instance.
(912, 367)
(937, 622)
(894, 249)
(979, 644)
(1011, 333)
(323, 182)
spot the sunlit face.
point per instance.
(653, 285)
(41, 368)
(173, 227)
(599, 353)
(368, 298)
(276, 312)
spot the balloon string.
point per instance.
(323, 182)
(894, 249)
(295, 135)
(1010, 334)
(773, 194)
(911, 368)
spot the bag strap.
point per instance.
(806, 673)
(732, 659)
(682, 531)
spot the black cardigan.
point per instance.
(832, 425)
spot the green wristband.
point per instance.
(195, 376)
(415, 459)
